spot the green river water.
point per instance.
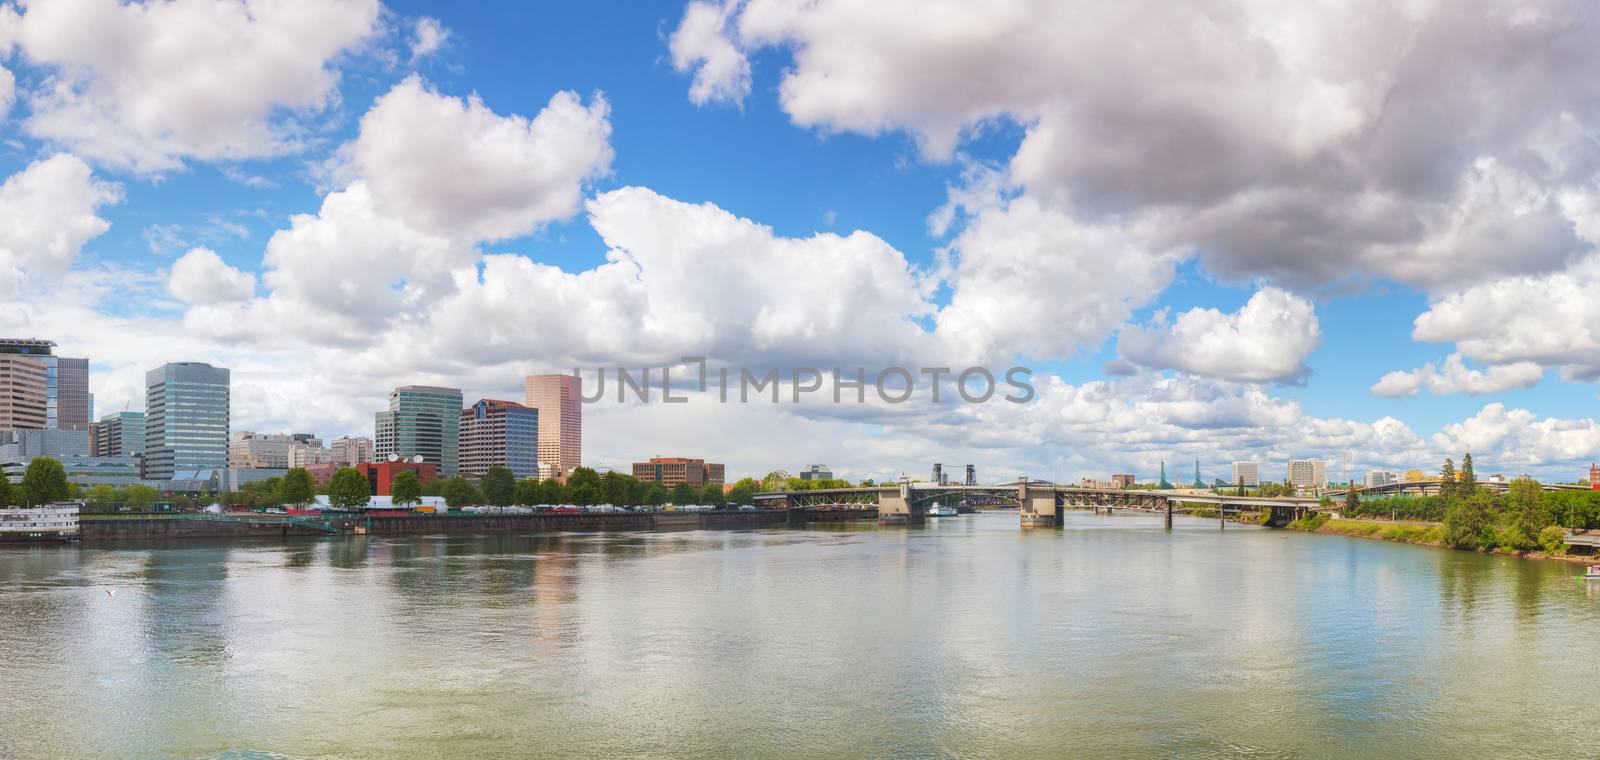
(965, 638)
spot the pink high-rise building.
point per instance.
(560, 421)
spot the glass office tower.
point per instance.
(422, 420)
(186, 419)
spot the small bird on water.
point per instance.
(111, 592)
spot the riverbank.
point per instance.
(108, 528)
(1420, 534)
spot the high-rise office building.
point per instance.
(186, 419)
(120, 434)
(74, 404)
(1307, 474)
(24, 401)
(67, 399)
(499, 434)
(1248, 473)
(424, 421)
(560, 420)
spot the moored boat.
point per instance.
(940, 510)
(51, 523)
(1592, 573)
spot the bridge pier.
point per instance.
(896, 507)
(1040, 507)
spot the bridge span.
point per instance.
(1431, 488)
(1039, 504)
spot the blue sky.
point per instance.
(1254, 258)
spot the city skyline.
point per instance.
(1334, 273)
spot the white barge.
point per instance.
(54, 522)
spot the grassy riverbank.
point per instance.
(1424, 534)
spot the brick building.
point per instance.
(670, 471)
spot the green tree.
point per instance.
(1241, 485)
(260, 492)
(1529, 513)
(1447, 479)
(296, 488)
(140, 496)
(1352, 502)
(348, 489)
(614, 488)
(1468, 480)
(655, 495)
(527, 493)
(743, 492)
(499, 486)
(712, 494)
(457, 493)
(684, 494)
(636, 491)
(1468, 523)
(6, 496)
(44, 481)
(405, 489)
(1553, 540)
(551, 491)
(102, 495)
(583, 486)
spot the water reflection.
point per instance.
(1111, 637)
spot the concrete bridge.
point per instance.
(1431, 488)
(1039, 504)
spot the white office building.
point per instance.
(1248, 472)
(1377, 478)
(1307, 474)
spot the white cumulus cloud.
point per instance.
(721, 71)
(1307, 144)
(1267, 340)
(456, 168)
(1030, 280)
(144, 85)
(1517, 438)
(1456, 377)
(48, 211)
(202, 277)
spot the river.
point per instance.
(965, 638)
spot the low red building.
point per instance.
(1594, 477)
(321, 474)
(381, 474)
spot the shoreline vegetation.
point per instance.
(1420, 534)
(1525, 521)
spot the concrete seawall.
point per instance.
(93, 530)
